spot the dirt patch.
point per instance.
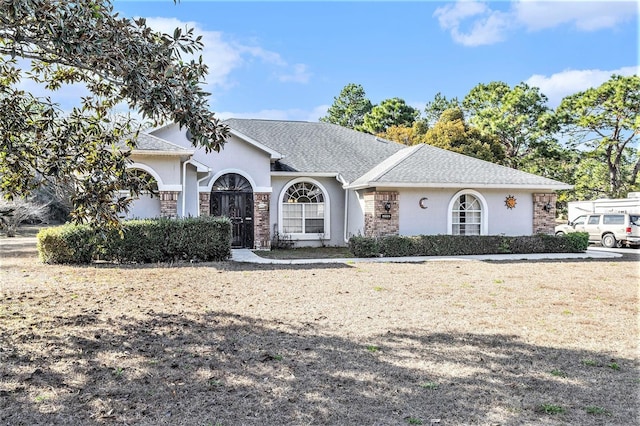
(452, 342)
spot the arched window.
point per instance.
(466, 215)
(146, 177)
(304, 209)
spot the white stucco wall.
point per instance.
(191, 202)
(335, 193)
(167, 169)
(355, 222)
(144, 207)
(237, 156)
(415, 220)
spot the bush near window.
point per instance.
(453, 245)
(141, 241)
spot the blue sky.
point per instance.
(289, 59)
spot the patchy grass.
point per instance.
(306, 253)
(226, 343)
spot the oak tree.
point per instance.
(452, 133)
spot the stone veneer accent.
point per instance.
(374, 225)
(544, 222)
(169, 203)
(204, 206)
(261, 231)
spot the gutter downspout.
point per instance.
(346, 206)
(200, 180)
(184, 184)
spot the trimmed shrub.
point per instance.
(139, 241)
(364, 246)
(66, 244)
(455, 245)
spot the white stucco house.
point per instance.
(318, 183)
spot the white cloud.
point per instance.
(220, 56)
(278, 114)
(299, 74)
(487, 26)
(584, 15)
(568, 82)
(224, 56)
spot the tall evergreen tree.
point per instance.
(349, 108)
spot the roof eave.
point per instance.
(161, 153)
(373, 184)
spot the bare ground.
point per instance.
(450, 343)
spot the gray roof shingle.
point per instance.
(366, 160)
(431, 166)
(317, 147)
(148, 142)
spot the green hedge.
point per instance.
(139, 241)
(453, 245)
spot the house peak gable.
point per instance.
(430, 166)
(317, 147)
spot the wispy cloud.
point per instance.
(558, 85)
(474, 23)
(299, 74)
(223, 55)
(312, 115)
(583, 15)
(487, 26)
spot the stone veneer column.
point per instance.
(261, 231)
(204, 203)
(544, 222)
(374, 224)
(168, 203)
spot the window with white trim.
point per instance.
(466, 215)
(303, 209)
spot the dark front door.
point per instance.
(232, 197)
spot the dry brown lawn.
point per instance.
(449, 343)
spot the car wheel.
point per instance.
(559, 233)
(609, 241)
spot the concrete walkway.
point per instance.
(248, 256)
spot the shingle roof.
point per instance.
(317, 147)
(147, 142)
(427, 165)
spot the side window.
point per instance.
(594, 220)
(579, 220)
(613, 219)
(634, 219)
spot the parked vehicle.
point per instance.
(609, 229)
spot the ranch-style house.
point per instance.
(317, 183)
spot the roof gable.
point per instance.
(427, 165)
(317, 147)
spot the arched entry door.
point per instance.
(232, 196)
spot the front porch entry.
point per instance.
(232, 197)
